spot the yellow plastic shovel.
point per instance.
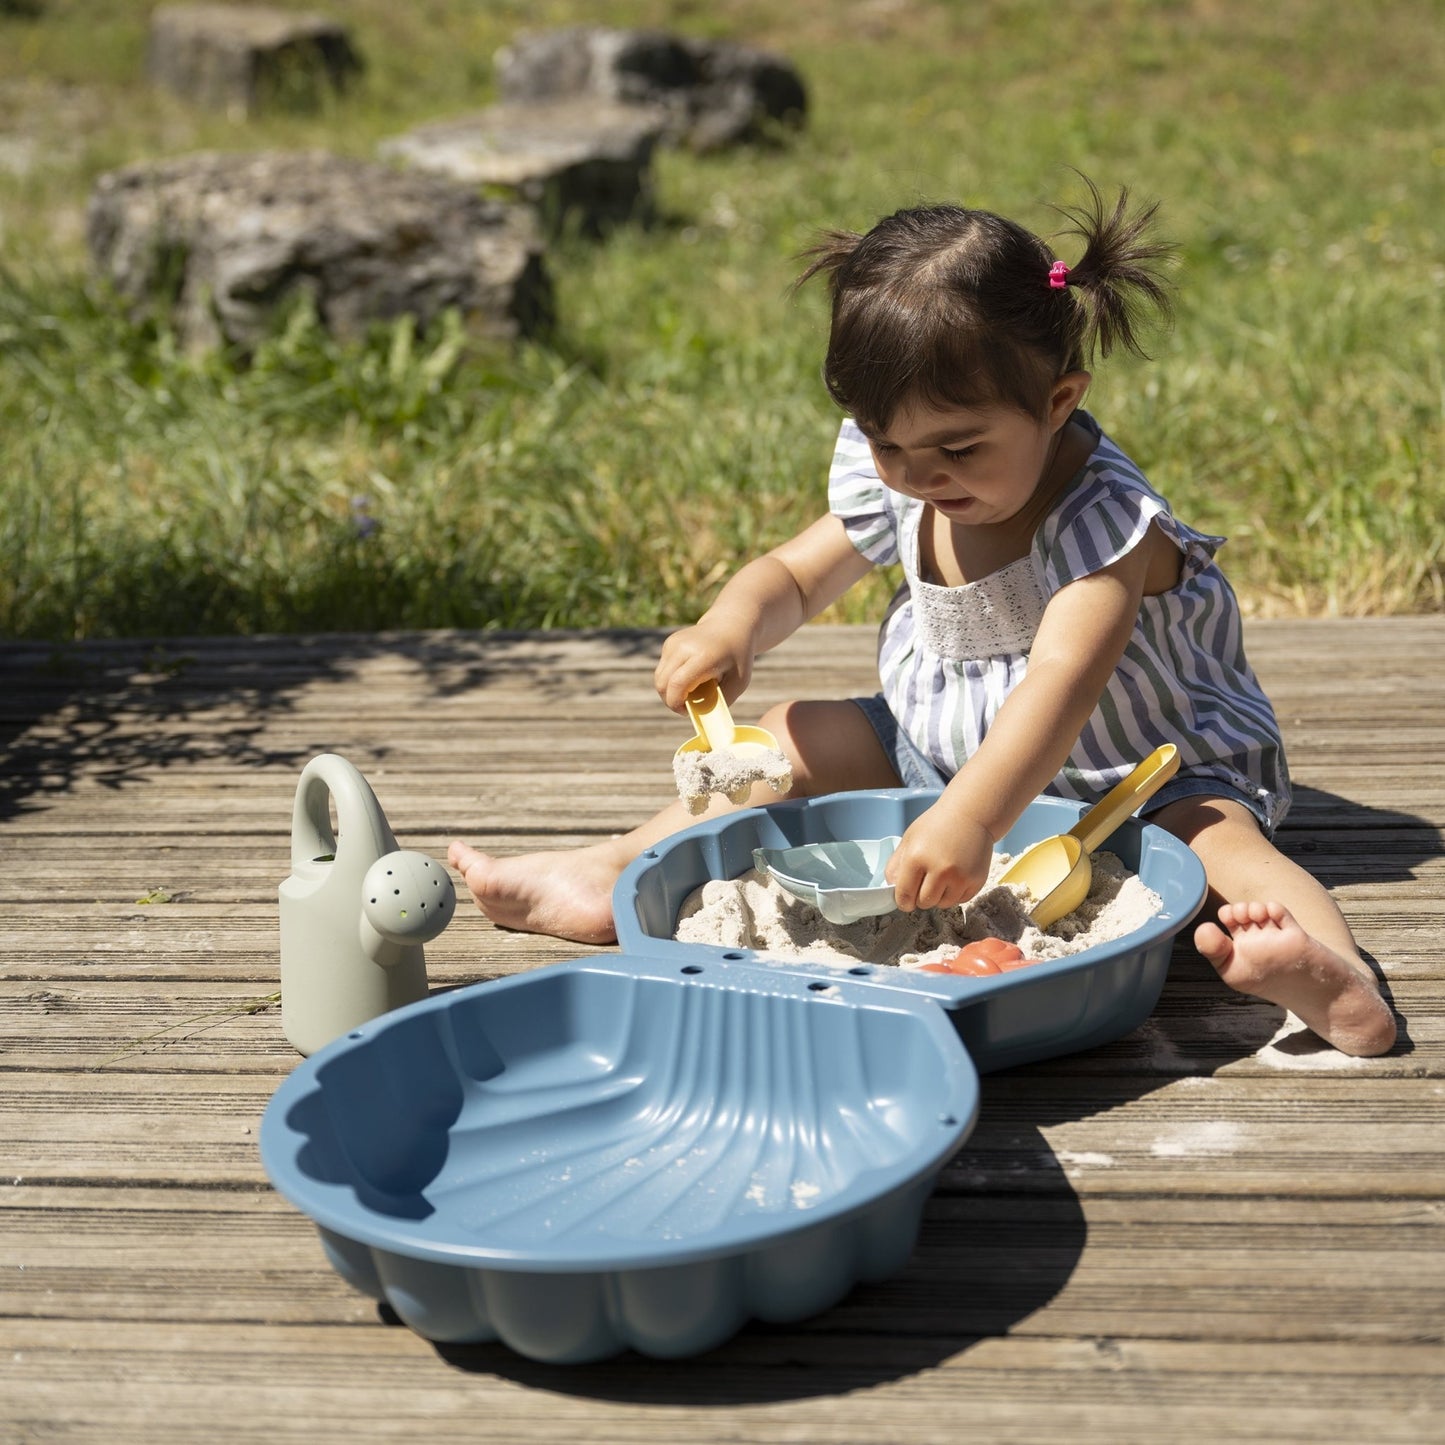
(1056, 871)
(756, 748)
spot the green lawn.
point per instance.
(676, 424)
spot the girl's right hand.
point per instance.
(764, 602)
(942, 860)
(694, 654)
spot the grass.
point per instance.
(676, 424)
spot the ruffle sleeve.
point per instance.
(1103, 518)
(858, 498)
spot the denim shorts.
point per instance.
(916, 770)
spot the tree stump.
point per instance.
(714, 93)
(245, 60)
(584, 162)
(220, 242)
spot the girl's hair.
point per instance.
(957, 307)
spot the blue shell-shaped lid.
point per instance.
(618, 1112)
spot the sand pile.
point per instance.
(753, 911)
(729, 771)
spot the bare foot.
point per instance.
(1261, 950)
(568, 894)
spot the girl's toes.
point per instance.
(1213, 942)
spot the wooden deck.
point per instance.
(1201, 1232)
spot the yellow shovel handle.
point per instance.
(710, 715)
(1126, 796)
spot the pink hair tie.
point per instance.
(1058, 276)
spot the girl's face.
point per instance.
(976, 466)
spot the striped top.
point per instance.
(1183, 678)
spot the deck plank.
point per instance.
(279, 1383)
(1212, 1229)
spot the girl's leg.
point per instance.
(832, 747)
(1280, 935)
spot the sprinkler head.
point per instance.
(407, 897)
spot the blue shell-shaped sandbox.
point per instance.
(1058, 1007)
(623, 1151)
(646, 1149)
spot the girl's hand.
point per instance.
(942, 860)
(691, 656)
(764, 602)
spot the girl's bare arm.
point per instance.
(764, 603)
(944, 857)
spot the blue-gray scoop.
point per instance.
(843, 879)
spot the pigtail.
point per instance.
(1118, 279)
(827, 256)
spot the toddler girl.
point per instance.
(1055, 624)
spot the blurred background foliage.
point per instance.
(676, 424)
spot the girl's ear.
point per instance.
(1067, 396)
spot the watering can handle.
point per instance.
(1125, 797)
(359, 817)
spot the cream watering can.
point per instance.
(355, 911)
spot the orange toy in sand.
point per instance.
(984, 956)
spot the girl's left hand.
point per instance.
(941, 861)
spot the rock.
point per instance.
(222, 241)
(586, 161)
(714, 92)
(243, 60)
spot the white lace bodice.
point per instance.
(996, 615)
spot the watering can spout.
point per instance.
(354, 912)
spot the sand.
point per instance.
(729, 771)
(753, 911)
